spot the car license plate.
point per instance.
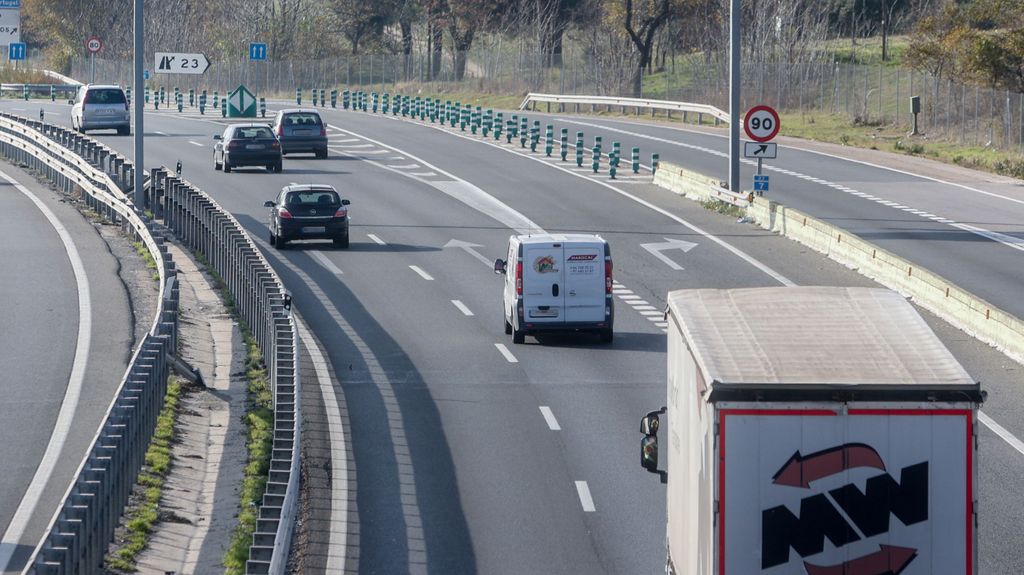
(303, 132)
(314, 229)
(543, 313)
(254, 146)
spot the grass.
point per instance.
(143, 251)
(721, 207)
(9, 75)
(141, 516)
(259, 422)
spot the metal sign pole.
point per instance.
(759, 160)
(736, 8)
(140, 47)
(92, 67)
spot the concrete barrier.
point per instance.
(931, 291)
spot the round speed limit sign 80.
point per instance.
(761, 123)
(93, 44)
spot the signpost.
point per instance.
(180, 63)
(10, 22)
(257, 51)
(16, 51)
(93, 44)
(761, 125)
(241, 103)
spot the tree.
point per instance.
(642, 19)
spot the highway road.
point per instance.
(65, 342)
(474, 455)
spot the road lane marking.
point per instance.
(549, 417)
(376, 239)
(354, 146)
(159, 132)
(325, 262)
(62, 427)
(338, 539)
(424, 174)
(585, 499)
(407, 166)
(195, 143)
(505, 352)
(1001, 432)
(422, 273)
(462, 307)
(628, 298)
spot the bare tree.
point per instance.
(641, 19)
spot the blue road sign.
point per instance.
(145, 74)
(16, 51)
(760, 183)
(257, 51)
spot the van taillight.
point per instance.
(607, 276)
(519, 278)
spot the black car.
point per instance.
(301, 130)
(308, 212)
(247, 145)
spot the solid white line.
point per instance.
(422, 273)
(325, 262)
(159, 132)
(62, 427)
(1001, 432)
(585, 499)
(462, 307)
(549, 417)
(376, 239)
(194, 143)
(424, 174)
(352, 147)
(338, 539)
(505, 352)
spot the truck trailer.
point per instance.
(813, 431)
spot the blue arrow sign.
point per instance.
(761, 183)
(145, 74)
(257, 51)
(16, 51)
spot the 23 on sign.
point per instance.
(761, 123)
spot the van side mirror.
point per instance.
(71, 102)
(499, 266)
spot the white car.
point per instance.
(557, 282)
(101, 107)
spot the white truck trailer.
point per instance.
(813, 431)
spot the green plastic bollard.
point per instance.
(534, 135)
(191, 97)
(613, 165)
(202, 103)
(579, 149)
(510, 131)
(298, 96)
(563, 143)
(24, 91)
(53, 94)
(322, 96)
(313, 95)
(223, 107)
(263, 107)
(616, 153)
(635, 158)
(474, 119)
(128, 94)
(549, 140)
(597, 142)
(595, 155)
(146, 100)
(376, 102)
(334, 98)
(498, 123)
(386, 103)
(655, 158)
(216, 100)
(524, 124)
(345, 95)
(181, 102)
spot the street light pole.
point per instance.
(137, 102)
(735, 11)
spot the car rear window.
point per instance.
(253, 132)
(302, 119)
(318, 197)
(105, 96)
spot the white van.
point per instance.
(557, 282)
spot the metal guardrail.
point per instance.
(562, 100)
(261, 302)
(43, 89)
(80, 531)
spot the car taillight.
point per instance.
(126, 106)
(280, 130)
(341, 213)
(275, 145)
(519, 278)
(607, 276)
(234, 144)
(323, 130)
(284, 214)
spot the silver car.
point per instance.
(100, 107)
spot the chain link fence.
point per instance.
(876, 95)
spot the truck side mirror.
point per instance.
(649, 453)
(650, 423)
(499, 266)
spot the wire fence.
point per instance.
(876, 95)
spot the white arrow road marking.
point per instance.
(505, 352)
(462, 307)
(585, 499)
(669, 244)
(422, 273)
(325, 262)
(376, 239)
(549, 417)
(469, 250)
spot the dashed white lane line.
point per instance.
(643, 307)
(325, 262)
(585, 499)
(356, 146)
(505, 352)
(628, 298)
(345, 141)
(1001, 432)
(549, 417)
(376, 239)
(424, 174)
(462, 307)
(195, 143)
(422, 273)
(652, 313)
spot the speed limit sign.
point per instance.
(761, 123)
(94, 44)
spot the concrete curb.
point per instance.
(931, 291)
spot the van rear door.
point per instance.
(543, 279)
(584, 282)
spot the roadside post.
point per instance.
(322, 101)
(655, 160)
(549, 140)
(298, 96)
(595, 158)
(534, 135)
(263, 107)
(216, 99)
(524, 124)
(579, 149)
(563, 143)
(223, 107)
(345, 96)
(635, 159)
(510, 129)
(761, 124)
(191, 97)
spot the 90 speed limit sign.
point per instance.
(761, 123)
